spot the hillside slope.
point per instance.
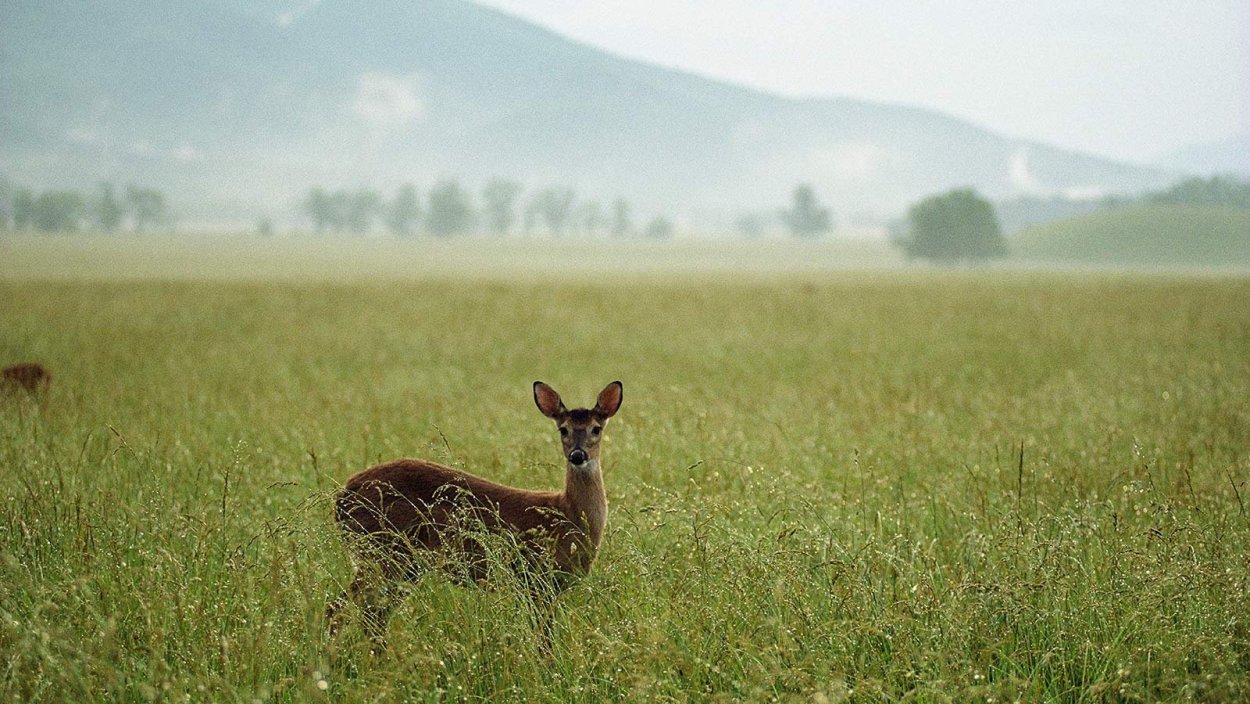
(1144, 235)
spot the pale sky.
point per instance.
(1129, 79)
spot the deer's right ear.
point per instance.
(547, 400)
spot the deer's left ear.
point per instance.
(609, 399)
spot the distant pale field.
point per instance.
(307, 257)
(825, 486)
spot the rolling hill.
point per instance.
(1142, 235)
(240, 106)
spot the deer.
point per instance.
(398, 514)
(32, 376)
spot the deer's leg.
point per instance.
(543, 598)
(543, 616)
(355, 593)
(376, 607)
(374, 592)
(334, 611)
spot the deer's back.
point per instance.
(421, 498)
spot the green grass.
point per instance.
(1143, 235)
(816, 484)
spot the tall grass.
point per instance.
(867, 488)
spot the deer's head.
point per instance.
(581, 429)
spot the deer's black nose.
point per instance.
(577, 456)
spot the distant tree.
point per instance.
(108, 211)
(659, 228)
(147, 207)
(23, 209)
(806, 217)
(958, 225)
(750, 226)
(362, 207)
(6, 204)
(499, 203)
(555, 205)
(264, 227)
(320, 209)
(622, 220)
(404, 211)
(58, 211)
(450, 212)
(589, 218)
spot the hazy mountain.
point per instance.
(243, 104)
(1229, 156)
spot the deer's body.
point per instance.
(403, 508)
(31, 376)
(416, 504)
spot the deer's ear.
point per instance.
(547, 400)
(609, 399)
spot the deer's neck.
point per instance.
(586, 499)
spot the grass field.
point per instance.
(826, 486)
(1156, 236)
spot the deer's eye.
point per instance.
(564, 432)
(596, 430)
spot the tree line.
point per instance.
(805, 217)
(107, 209)
(1217, 191)
(504, 207)
(501, 207)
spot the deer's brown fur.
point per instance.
(32, 376)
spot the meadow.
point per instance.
(828, 485)
(1143, 236)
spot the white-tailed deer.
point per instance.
(400, 512)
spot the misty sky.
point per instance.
(1130, 79)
